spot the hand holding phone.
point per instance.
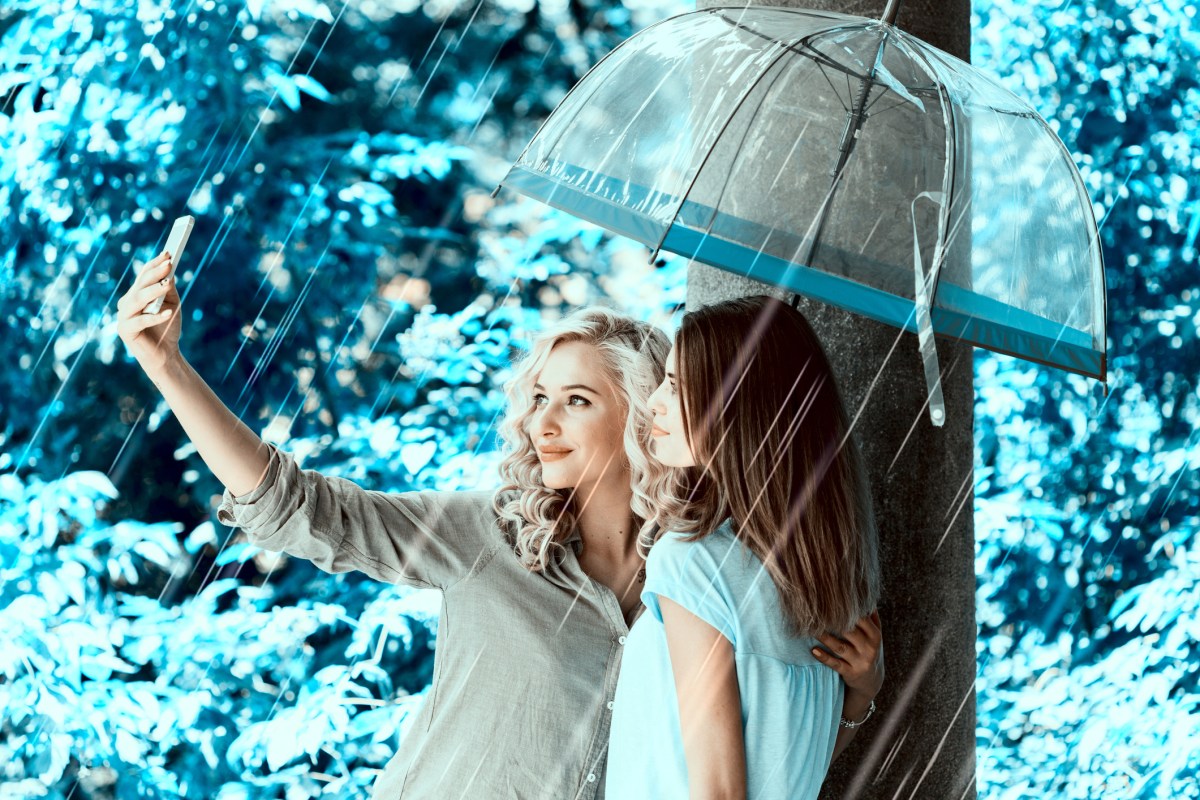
(176, 241)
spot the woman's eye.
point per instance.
(539, 399)
(582, 400)
(672, 388)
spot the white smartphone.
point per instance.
(176, 241)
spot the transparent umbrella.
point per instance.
(843, 159)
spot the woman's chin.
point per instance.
(555, 479)
(666, 455)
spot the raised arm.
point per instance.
(234, 453)
(418, 538)
(710, 707)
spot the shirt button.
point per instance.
(591, 777)
(621, 640)
(610, 705)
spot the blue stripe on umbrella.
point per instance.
(960, 313)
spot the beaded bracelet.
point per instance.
(845, 723)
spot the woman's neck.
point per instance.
(606, 523)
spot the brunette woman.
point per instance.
(724, 691)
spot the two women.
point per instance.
(540, 579)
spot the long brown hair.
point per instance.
(765, 421)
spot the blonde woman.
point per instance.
(540, 579)
(725, 691)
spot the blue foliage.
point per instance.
(103, 683)
(338, 158)
(1086, 506)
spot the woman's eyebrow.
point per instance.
(572, 387)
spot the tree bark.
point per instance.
(921, 741)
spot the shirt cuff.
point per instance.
(238, 511)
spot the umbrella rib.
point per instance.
(895, 105)
(882, 95)
(812, 53)
(741, 150)
(716, 140)
(824, 75)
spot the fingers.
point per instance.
(140, 322)
(835, 663)
(835, 644)
(136, 299)
(858, 639)
(869, 622)
(870, 626)
(875, 633)
(158, 268)
(852, 642)
(145, 296)
(155, 262)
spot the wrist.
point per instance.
(856, 719)
(856, 703)
(860, 696)
(167, 370)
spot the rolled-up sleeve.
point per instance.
(426, 539)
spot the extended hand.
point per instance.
(145, 336)
(857, 655)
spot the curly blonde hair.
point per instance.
(633, 355)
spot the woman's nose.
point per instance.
(654, 402)
(545, 423)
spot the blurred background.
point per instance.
(353, 292)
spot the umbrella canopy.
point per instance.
(840, 158)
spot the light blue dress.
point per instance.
(791, 702)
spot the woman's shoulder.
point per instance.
(709, 550)
(475, 499)
(475, 508)
(719, 539)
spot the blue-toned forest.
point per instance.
(352, 290)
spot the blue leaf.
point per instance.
(240, 552)
(312, 87)
(285, 87)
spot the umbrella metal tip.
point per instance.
(890, 12)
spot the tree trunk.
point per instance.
(921, 741)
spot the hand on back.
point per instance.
(857, 655)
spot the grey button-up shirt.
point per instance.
(526, 663)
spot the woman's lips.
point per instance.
(657, 432)
(553, 455)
